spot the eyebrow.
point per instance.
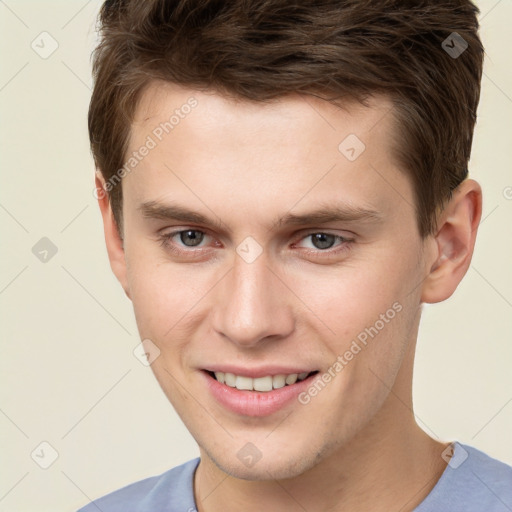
(157, 210)
(322, 215)
(326, 214)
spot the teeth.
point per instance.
(229, 380)
(261, 383)
(291, 379)
(278, 381)
(244, 383)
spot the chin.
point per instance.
(282, 467)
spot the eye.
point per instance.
(191, 237)
(182, 240)
(324, 241)
(188, 243)
(323, 247)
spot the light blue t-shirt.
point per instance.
(471, 482)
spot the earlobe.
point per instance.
(113, 240)
(455, 241)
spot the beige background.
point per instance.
(68, 373)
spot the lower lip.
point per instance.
(256, 403)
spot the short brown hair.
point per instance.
(263, 49)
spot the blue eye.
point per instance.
(194, 236)
(187, 243)
(188, 239)
(322, 240)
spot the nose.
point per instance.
(252, 305)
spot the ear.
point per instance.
(113, 239)
(454, 242)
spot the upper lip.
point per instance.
(260, 371)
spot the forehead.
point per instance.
(161, 99)
(293, 149)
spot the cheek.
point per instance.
(343, 302)
(366, 312)
(162, 293)
(350, 298)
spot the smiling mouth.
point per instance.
(261, 384)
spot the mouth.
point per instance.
(263, 384)
(257, 392)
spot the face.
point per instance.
(265, 247)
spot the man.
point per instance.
(283, 185)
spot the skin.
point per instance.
(356, 445)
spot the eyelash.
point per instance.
(345, 245)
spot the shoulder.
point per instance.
(472, 481)
(172, 490)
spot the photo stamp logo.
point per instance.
(358, 344)
(44, 455)
(146, 352)
(44, 250)
(249, 250)
(351, 147)
(150, 143)
(454, 45)
(44, 45)
(454, 457)
(249, 455)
